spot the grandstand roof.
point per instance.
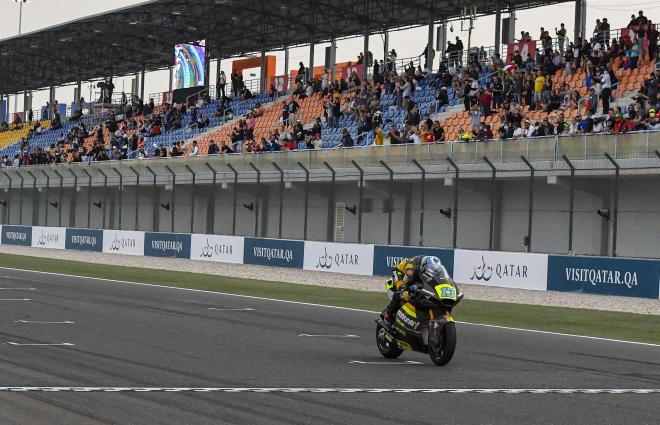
(121, 42)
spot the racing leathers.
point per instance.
(404, 275)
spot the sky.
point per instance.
(39, 14)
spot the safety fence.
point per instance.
(541, 272)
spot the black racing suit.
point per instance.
(404, 275)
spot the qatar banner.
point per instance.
(123, 242)
(387, 257)
(16, 235)
(84, 239)
(339, 258)
(223, 249)
(175, 245)
(504, 269)
(604, 275)
(525, 48)
(273, 252)
(49, 237)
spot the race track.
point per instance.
(139, 354)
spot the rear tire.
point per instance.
(443, 354)
(389, 350)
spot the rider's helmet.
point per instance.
(432, 272)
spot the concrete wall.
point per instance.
(638, 220)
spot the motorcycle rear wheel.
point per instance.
(443, 354)
(389, 350)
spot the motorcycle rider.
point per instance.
(405, 276)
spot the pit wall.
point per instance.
(540, 272)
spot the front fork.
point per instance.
(435, 329)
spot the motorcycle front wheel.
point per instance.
(442, 355)
(389, 350)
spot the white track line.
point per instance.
(66, 322)
(329, 336)
(231, 309)
(404, 363)
(15, 299)
(647, 344)
(339, 390)
(17, 289)
(59, 344)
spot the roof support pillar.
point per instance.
(311, 59)
(429, 47)
(207, 67)
(171, 76)
(365, 66)
(580, 19)
(262, 74)
(442, 39)
(141, 84)
(511, 34)
(79, 93)
(51, 103)
(218, 69)
(498, 26)
(2, 108)
(25, 105)
(386, 44)
(333, 59)
(135, 87)
(286, 66)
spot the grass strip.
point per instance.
(605, 324)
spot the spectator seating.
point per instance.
(12, 136)
(629, 80)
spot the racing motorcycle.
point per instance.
(424, 324)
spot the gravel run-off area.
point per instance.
(335, 280)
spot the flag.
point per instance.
(508, 69)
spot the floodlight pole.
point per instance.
(20, 28)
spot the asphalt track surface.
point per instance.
(152, 355)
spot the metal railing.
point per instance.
(634, 145)
(544, 149)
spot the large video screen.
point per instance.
(190, 64)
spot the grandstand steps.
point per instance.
(210, 131)
(448, 112)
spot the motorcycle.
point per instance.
(423, 324)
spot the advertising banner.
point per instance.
(176, 245)
(274, 252)
(16, 235)
(49, 237)
(503, 269)
(525, 48)
(387, 257)
(123, 242)
(84, 239)
(607, 276)
(225, 249)
(339, 257)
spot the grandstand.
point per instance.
(185, 22)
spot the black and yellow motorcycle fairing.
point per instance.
(424, 324)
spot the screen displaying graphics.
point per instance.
(190, 64)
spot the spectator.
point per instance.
(225, 148)
(194, 151)
(346, 139)
(394, 135)
(561, 38)
(222, 83)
